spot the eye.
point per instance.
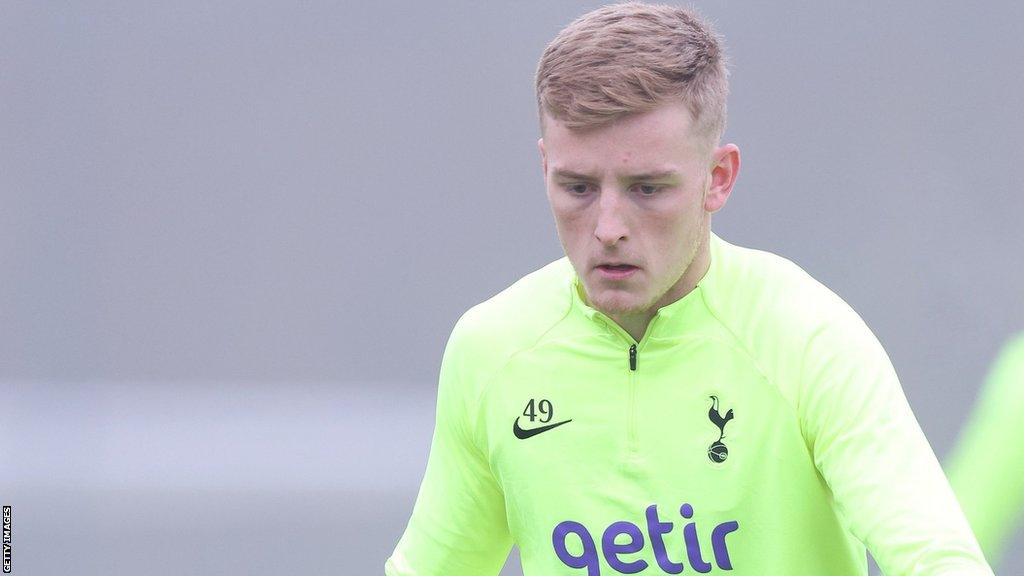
(647, 189)
(578, 188)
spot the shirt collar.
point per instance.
(670, 319)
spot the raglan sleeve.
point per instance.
(987, 467)
(458, 525)
(868, 446)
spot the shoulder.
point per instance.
(516, 318)
(786, 320)
(758, 290)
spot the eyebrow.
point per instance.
(661, 175)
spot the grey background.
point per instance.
(234, 237)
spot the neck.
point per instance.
(636, 323)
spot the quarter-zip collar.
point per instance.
(671, 320)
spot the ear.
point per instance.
(543, 157)
(724, 170)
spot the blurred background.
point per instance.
(235, 237)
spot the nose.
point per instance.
(611, 225)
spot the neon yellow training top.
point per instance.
(758, 428)
(987, 466)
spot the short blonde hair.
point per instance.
(633, 57)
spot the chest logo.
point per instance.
(547, 413)
(717, 452)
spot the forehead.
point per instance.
(649, 141)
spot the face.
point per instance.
(632, 202)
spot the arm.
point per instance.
(987, 466)
(458, 525)
(869, 448)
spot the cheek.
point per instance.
(571, 223)
(668, 231)
(673, 236)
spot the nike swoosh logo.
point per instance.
(524, 434)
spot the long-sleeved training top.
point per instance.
(757, 428)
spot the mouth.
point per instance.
(616, 271)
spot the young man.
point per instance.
(660, 401)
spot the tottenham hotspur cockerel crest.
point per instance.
(717, 451)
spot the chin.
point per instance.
(617, 303)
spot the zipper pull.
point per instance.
(632, 357)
